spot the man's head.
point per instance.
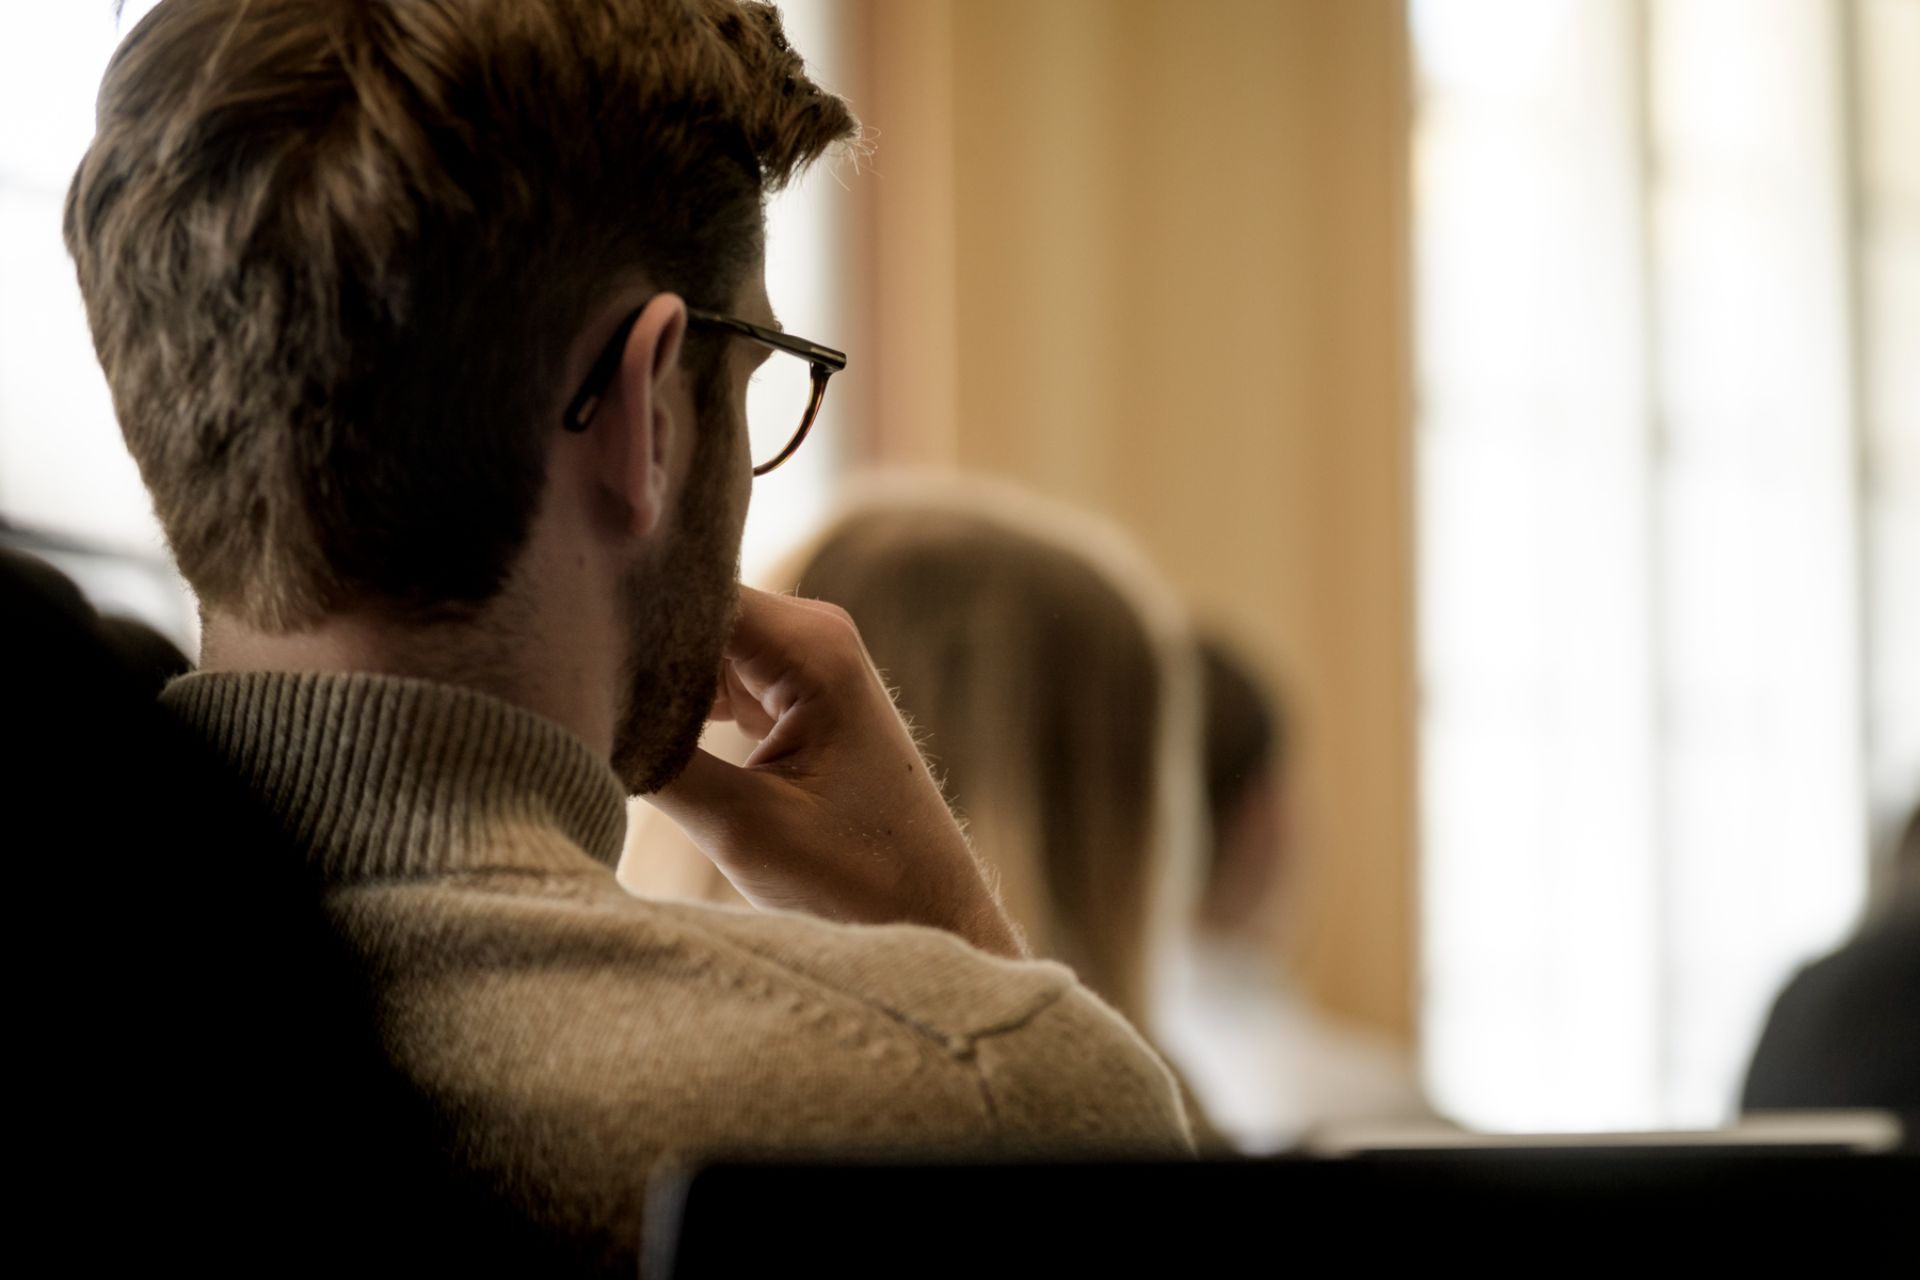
(1245, 758)
(342, 260)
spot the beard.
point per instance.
(681, 603)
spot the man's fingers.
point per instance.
(794, 669)
(772, 626)
(743, 708)
(757, 622)
(784, 647)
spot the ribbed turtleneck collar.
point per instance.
(383, 776)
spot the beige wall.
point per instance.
(1150, 255)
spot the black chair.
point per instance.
(1538, 1211)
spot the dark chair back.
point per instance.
(1542, 1211)
(196, 1070)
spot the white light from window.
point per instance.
(1640, 545)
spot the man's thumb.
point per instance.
(710, 800)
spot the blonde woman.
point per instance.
(1048, 673)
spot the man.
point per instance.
(429, 326)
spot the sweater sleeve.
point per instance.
(1076, 1074)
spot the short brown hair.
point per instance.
(333, 255)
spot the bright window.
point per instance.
(67, 487)
(1667, 544)
(804, 274)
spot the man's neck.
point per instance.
(506, 657)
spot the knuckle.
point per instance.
(832, 615)
(838, 635)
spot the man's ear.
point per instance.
(640, 416)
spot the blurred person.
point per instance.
(1041, 662)
(1845, 1030)
(139, 651)
(429, 327)
(1268, 1068)
(1904, 890)
(148, 654)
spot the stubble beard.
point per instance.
(681, 604)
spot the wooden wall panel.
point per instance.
(1151, 256)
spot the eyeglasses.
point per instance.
(782, 392)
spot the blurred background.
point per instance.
(1532, 388)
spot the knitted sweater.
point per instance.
(574, 1036)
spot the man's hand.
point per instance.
(835, 812)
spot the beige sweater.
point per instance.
(576, 1035)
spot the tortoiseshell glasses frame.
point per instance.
(823, 362)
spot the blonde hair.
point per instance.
(1048, 673)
